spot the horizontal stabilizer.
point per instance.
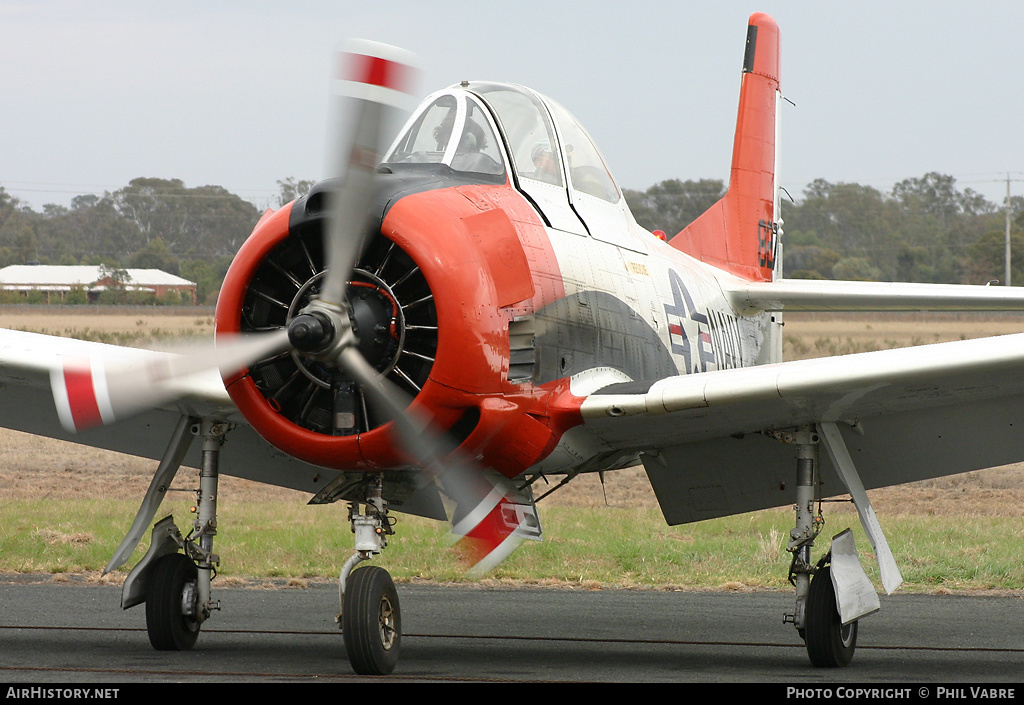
(821, 295)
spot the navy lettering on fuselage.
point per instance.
(706, 341)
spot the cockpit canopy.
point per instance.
(478, 128)
(451, 129)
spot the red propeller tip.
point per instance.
(377, 72)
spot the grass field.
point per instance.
(64, 508)
(817, 335)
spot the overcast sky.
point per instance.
(234, 92)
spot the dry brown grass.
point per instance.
(811, 335)
(32, 467)
(65, 321)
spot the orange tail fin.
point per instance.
(740, 233)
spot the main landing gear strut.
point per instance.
(830, 640)
(176, 585)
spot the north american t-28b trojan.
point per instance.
(470, 306)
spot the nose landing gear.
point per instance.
(371, 617)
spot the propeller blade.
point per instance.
(100, 390)
(492, 517)
(372, 93)
(425, 448)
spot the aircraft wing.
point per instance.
(905, 414)
(26, 360)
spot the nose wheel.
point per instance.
(371, 621)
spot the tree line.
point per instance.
(925, 229)
(149, 224)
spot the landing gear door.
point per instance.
(855, 595)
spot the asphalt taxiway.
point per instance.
(73, 632)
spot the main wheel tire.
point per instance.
(169, 628)
(830, 643)
(371, 621)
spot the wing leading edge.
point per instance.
(713, 443)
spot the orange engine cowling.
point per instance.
(427, 314)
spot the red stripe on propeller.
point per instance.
(491, 532)
(85, 411)
(376, 71)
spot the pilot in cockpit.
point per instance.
(470, 154)
(432, 138)
(546, 168)
(473, 138)
(443, 131)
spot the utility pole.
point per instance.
(1007, 277)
